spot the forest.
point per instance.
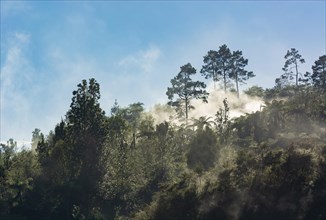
(267, 164)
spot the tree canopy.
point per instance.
(318, 76)
(186, 90)
(218, 65)
(224, 65)
(292, 61)
(268, 164)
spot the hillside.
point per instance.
(263, 165)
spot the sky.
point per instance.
(134, 48)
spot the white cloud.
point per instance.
(15, 71)
(16, 76)
(36, 98)
(22, 37)
(144, 60)
(68, 55)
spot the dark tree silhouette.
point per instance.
(186, 90)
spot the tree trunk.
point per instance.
(237, 84)
(224, 78)
(323, 77)
(214, 79)
(186, 104)
(297, 73)
(134, 140)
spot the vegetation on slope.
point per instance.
(270, 164)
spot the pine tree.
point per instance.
(186, 90)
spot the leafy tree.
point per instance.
(132, 115)
(218, 65)
(210, 69)
(164, 147)
(222, 121)
(60, 131)
(86, 134)
(53, 193)
(318, 76)
(202, 122)
(273, 165)
(186, 89)
(239, 74)
(202, 150)
(71, 159)
(18, 171)
(36, 137)
(42, 150)
(255, 91)
(177, 200)
(115, 184)
(293, 59)
(157, 160)
(280, 90)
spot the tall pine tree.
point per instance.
(186, 90)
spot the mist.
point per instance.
(245, 104)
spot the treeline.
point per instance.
(270, 164)
(221, 66)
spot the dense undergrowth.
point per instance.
(270, 164)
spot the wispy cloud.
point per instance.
(143, 60)
(16, 73)
(115, 43)
(22, 37)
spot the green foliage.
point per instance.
(222, 122)
(265, 184)
(18, 172)
(239, 74)
(318, 76)
(132, 114)
(293, 58)
(255, 91)
(175, 201)
(280, 91)
(86, 134)
(218, 65)
(211, 67)
(36, 137)
(186, 90)
(225, 66)
(71, 158)
(202, 122)
(203, 149)
(270, 164)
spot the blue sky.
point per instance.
(133, 49)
